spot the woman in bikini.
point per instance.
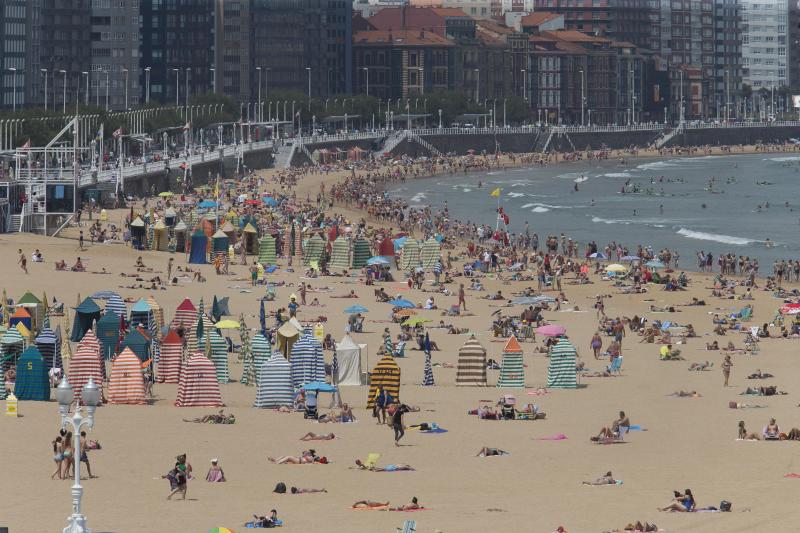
(367, 504)
(744, 435)
(321, 436)
(596, 345)
(58, 456)
(68, 454)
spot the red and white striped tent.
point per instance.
(126, 383)
(83, 365)
(169, 366)
(91, 342)
(185, 315)
(198, 386)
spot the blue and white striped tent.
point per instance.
(261, 352)
(308, 363)
(427, 380)
(50, 347)
(32, 381)
(117, 305)
(219, 353)
(274, 383)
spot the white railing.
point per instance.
(608, 129)
(707, 125)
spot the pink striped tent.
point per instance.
(185, 315)
(83, 365)
(198, 386)
(126, 383)
(169, 366)
(91, 342)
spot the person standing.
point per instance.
(22, 262)
(58, 456)
(727, 364)
(303, 293)
(85, 454)
(80, 241)
(397, 423)
(462, 298)
(169, 269)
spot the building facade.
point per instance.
(766, 50)
(115, 55)
(13, 53)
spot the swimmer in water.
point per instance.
(480, 184)
(661, 209)
(703, 206)
(768, 243)
(592, 202)
(634, 212)
(576, 187)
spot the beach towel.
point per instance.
(792, 475)
(557, 436)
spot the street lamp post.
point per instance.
(147, 85)
(477, 84)
(366, 77)
(583, 93)
(125, 71)
(14, 88)
(258, 119)
(440, 119)
(107, 91)
(177, 86)
(524, 85)
(64, 72)
(90, 395)
(44, 71)
(186, 90)
(87, 87)
(214, 79)
(308, 69)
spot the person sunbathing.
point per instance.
(219, 418)
(760, 375)
(61, 265)
(78, 266)
(744, 435)
(308, 457)
(409, 506)
(351, 294)
(321, 436)
(712, 346)
(400, 467)
(640, 527)
(682, 503)
(771, 431)
(685, 394)
(705, 365)
(607, 479)
(367, 504)
(490, 452)
(719, 330)
(772, 390)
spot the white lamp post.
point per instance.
(147, 85)
(85, 73)
(44, 71)
(309, 87)
(125, 71)
(76, 523)
(14, 88)
(64, 72)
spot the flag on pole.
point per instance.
(495, 193)
(118, 133)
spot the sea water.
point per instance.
(666, 203)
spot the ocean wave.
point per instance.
(618, 175)
(784, 159)
(539, 209)
(581, 179)
(656, 165)
(569, 176)
(653, 223)
(724, 239)
(515, 194)
(418, 198)
(465, 190)
(526, 206)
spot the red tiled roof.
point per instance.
(535, 19)
(400, 38)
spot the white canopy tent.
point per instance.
(348, 356)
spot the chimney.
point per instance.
(422, 33)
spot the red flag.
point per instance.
(118, 133)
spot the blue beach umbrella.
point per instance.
(357, 308)
(207, 204)
(377, 260)
(655, 264)
(270, 201)
(318, 386)
(598, 255)
(404, 304)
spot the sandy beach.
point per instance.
(686, 442)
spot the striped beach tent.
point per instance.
(185, 315)
(512, 371)
(427, 379)
(266, 250)
(430, 253)
(308, 363)
(471, 370)
(126, 382)
(86, 314)
(137, 343)
(361, 253)
(32, 381)
(142, 313)
(50, 347)
(219, 353)
(198, 386)
(274, 383)
(12, 345)
(91, 341)
(169, 366)
(108, 328)
(386, 374)
(262, 350)
(158, 314)
(21, 316)
(340, 254)
(561, 373)
(410, 254)
(85, 364)
(116, 305)
(314, 249)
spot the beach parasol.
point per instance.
(630, 258)
(377, 260)
(414, 321)
(357, 308)
(655, 264)
(220, 530)
(227, 324)
(400, 302)
(318, 386)
(270, 201)
(790, 309)
(616, 268)
(104, 295)
(598, 255)
(165, 194)
(205, 204)
(551, 330)
(406, 312)
(532, 300)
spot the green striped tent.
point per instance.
(431, 251)
(340, 255)
(246, 355)
(409, 255)
(266, 250)
(219, 353)
(261, 351)
(512, 371)
(561, 373)
(361, 253)
(314, 249)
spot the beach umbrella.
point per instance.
(406, 312)
(357, 308)
(318, 386)
(631, 258)
(551, 330)
(400, 302)
(790, 309)
(270, 201)
(598, 255)
(414, 321)
(532, 300)
(104, 295)
(227, 324)
(205, 204)
(165, 194)
(216, 313)
(655, 264)
(616, 268)
(220, 530)
(377, 260)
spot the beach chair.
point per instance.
(409, 526)
(615, 365)
(746, 314)
(400, 350)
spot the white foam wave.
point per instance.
(466, 190)
(515, 194)
(418, 198)
(569, 176)
(526, 206)
(724, 239)
(539, 209)
(581, 179)
(783, 159)
(656, 165)
(597, 220)
(618, 175)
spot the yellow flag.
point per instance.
(495, 192)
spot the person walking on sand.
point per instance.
(727, 364)
(22, 262)
(84, 450)
(462, 299)
(169, 268)
(397, 423)
(58, 457)
(80, 241)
